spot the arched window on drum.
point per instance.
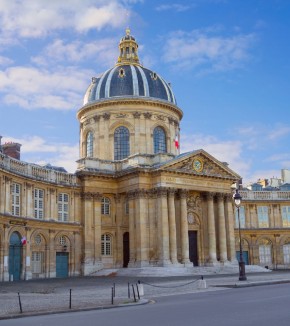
(159, 137)
(90, 144)
(121, 143)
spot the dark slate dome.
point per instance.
(128, 79)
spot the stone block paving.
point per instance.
(53, 295)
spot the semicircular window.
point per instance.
(90, 144)
(121, 143)
(159, 137)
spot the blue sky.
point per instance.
(228, 62)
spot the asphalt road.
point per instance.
(263, 305)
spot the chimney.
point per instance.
(12, 149)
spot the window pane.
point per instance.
(90, 144)
(159, 137)
(121, 143)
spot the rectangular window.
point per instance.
(286, 216)
(265, 254)
(263, 217)
(63, 207)
(38, 203)
(242, 218)
(37, 262)
(15, 192)
(286, 254)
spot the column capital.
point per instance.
(220, 196)
(172, 192)
(183, 193)
(209, 195)
(162, 192)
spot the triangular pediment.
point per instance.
(201, 163)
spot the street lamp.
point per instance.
(242, 270)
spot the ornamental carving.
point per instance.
(161, 192)
(183, 194)
(106, 116)
(194, 204)
(192, 218)
(97, 118)
(121, 116)
(147, 115)
(137, 115)
(160, 117)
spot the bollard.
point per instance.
(134, 292)
(201, 284)
(20, 305)
(138, 291)
(141, 288)
(112, 296)
(129, 290)
(69, 298)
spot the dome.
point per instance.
(129, 79)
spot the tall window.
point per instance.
(286, 253)
(286, 216)
(37, 262)
(38, 203)
(263, 217)
(63, 207)
(159, 137)
(106, 245)
(242, 217)
(121, 143)
(90, 144)
(265, 254)
(106, 206)
(15, 192)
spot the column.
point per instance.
(89, 236)
(6, 252)
(51, 255)
(152, 227)
(141, 211)
(172, 226)
(222, 229)
(97, 231)
(184, 228)
(163, 227)
(27, 270)
(211, 230)
(230, 229)
(131, 197)
(77, 253)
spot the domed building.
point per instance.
(134, 200)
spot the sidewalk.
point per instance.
(95, 292)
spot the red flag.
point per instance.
(23, 241)
(176, 141)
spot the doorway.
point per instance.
(15, 257)
(62, 264)
(126, 249)
(193, 250)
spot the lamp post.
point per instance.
(242, 270)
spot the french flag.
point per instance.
(176, 141)
(23, 241)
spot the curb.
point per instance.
(250, 284)
(43, 313)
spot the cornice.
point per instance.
(128, 101)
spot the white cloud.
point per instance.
(38, 18)
(279, 132)
(174, 6)
(101, 51)
(37, 150)
(34, 88)
(203, 49)
(224, 151)
(4, 61)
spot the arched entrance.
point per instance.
(193, 249)
(126, 249)
(15, 257)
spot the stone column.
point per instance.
(230, 229)
(27, 270)
(6, 252)
(77, 253)
(211, 230)
(172, 226)
(51, 255)
(152, 227)
(89, 237)
(141, 213)
(222, 229)
(118, 244)
(97, 231)
(163, 227)
(184, 229)
(132, 246)
(7, 205)
(29, 192)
